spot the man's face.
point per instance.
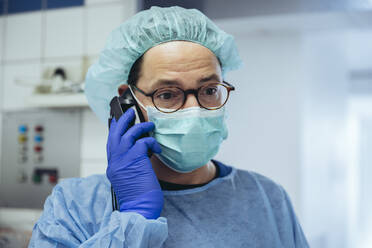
(183, 64)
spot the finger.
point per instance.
(122, 125)
(108, 151)
(113, 124)
(111, 130)
(136, 131)
(125, 120)
(145, 144)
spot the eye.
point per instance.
(210, 90)
(167, 94)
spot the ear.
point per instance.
(122, 88)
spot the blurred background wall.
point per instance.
(301, 113)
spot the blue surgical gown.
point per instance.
(241, 209)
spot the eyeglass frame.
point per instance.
(195, 92)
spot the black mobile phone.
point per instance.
(120, 104)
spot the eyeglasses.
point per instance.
(170, 99)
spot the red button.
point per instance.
(39, 128)
(52, 179)
(38, 148)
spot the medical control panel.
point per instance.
(39, 147)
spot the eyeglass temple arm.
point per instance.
(230, 85)
(141, 91)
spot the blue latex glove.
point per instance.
(129, 168)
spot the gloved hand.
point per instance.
(129, 168)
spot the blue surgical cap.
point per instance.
(143, 31)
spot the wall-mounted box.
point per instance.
(26, 180)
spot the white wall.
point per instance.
(365, 172)
(93, 146)
(359, 48)
(360, 141)
(264, 112)
(323, 139)
(360, 114)
(31, 43)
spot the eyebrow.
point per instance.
(171, 82)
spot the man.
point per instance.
(173, 60)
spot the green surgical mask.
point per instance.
(190, 137)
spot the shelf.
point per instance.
(57, 100)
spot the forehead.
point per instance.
(180, 61)
(176, 50)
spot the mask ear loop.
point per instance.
(134, 96)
